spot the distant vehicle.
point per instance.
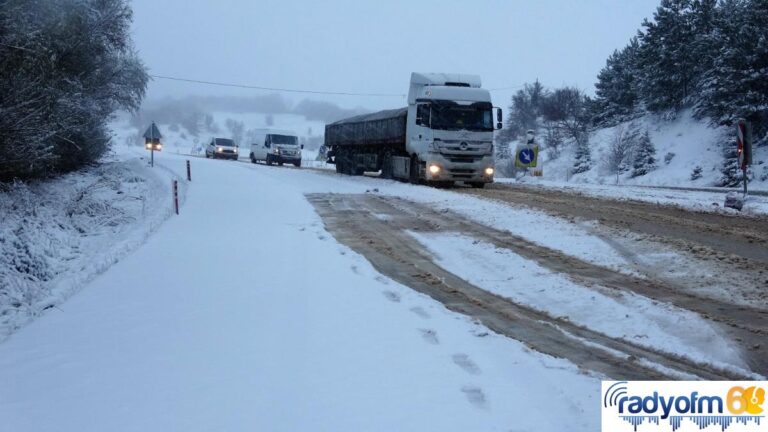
(223, 148)
(444, 135)
(275, 146)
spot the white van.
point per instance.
(276, 146)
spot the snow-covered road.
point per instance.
(243, 313)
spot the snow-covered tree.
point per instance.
(65, 67)
(616, 87)
(737, 84)
(524, 112)
(644, 156)
(583, 159)
(619, 150)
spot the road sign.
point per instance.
(152, 141)
(527, 156)
(744, 143)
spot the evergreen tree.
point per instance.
(645, 156)
(583, 158)
(666, 62)
(737, 84)
(616, 88)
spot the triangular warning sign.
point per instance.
(152, 132)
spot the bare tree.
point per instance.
(620, 148)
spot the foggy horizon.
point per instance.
(308, 46)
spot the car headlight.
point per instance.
(219, 149)
(489, 171)
(434, 169)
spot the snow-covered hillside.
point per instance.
(681, 145)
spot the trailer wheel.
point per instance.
(414, 171)
(386, 166)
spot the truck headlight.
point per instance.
(434, 169)
(219, 149)
(276, 151)
(489, 171)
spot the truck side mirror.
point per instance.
(499, 126)
(498, 115)
(302, 146)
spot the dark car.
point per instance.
(223, 148)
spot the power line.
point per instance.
(253, 87)
(507, 88)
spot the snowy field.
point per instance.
(56, 236)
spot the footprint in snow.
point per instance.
(430, 336)
(392, 296)
(382, 279)
(418, 310)
(475, 396)
(463, 361)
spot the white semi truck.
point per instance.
(444, 135)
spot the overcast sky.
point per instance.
(373, 46)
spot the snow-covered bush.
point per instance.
(65, 67)
(65, 229)
(696, 173)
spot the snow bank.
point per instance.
(58, 235)
(681, 145)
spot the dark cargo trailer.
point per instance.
(380, 128)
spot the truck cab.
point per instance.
(449, 128)
(276, 146)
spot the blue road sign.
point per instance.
(527, 156)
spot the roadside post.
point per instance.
(175, 186)
(152, 142)
(744, 148)
(189, 171)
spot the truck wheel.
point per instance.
(477, 185)
(339, 167)
(268, 161)
(253, 159)
(386, 166)
(414, 171)
(280, 163)
(297, 164)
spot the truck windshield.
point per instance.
(225, 142)
(447, 115)
(283, 139)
